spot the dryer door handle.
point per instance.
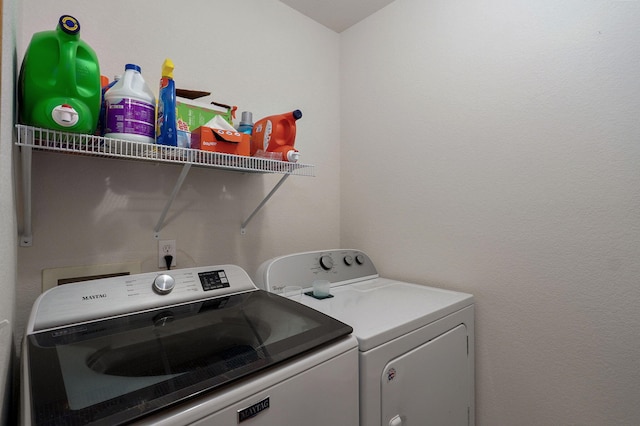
(396, 421)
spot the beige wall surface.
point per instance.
(259, 55)
(493, 147)
(489, 147)
(8, 235)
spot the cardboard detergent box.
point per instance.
(192, 114)
(220, 140)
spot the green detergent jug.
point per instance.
(60, 81)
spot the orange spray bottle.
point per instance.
(276, 133)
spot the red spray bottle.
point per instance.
(276, 133)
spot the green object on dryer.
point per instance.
(59, 83)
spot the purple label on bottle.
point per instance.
(131, 116)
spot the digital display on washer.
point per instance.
(114, 370)
(213, 280)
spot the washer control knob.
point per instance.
(326, 262)
(163, 284)
(163, 318)
(359, 259)
(348, 260)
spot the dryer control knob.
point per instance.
(359, 259)
(163, 284)
(348, 260)
(326, 262)
(396, 421)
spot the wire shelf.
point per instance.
(53, 140)
(96, 146)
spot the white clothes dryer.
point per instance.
(416, 343)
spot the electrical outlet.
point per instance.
(166, 247)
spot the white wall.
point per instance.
(257, 54)
(493, 147)
(8, 235)
(488, 146)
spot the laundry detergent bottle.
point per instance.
(276, 133)
(59, 82)
(130, 108)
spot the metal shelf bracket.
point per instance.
(174, 193)
(273, 191)
(26, 239)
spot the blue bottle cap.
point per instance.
(132, 67)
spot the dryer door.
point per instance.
(430, 384)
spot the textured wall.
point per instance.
(259, 55)
(492, 147)
(8, 236)
(489, 147)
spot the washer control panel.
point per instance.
(301, 269)
(89, 300)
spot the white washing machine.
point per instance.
(199, 346)
(416, 343)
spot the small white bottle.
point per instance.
(130, 108)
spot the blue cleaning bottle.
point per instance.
(246, 123)
(166, 132)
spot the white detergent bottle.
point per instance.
(130, 108)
